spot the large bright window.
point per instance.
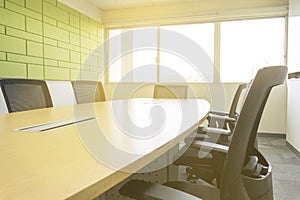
(186, 53)
(191, 64)
(248, 45)
(179, 53)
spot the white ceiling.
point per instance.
(119, 4)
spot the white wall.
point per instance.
(293, 107)
(293, 113)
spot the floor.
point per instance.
(286, 167)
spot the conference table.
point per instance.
(81, 151)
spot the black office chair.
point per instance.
(246, 173)
(222, 124)
(25, 94)
(88, 91)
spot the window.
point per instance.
(248, 45)
(136, 57)
(186, 53)
(188, 64)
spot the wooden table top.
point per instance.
(83, 160)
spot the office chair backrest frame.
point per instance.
(88, 91)
(244, 135)
(235, 101)
(26, 102)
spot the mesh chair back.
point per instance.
(23, 94)
(235, 101)
(242, 143)
(88, 91)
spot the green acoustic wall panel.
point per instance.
(34, 26)
(20, 2)
(45, 39)
(2, 56)
(22, 10)
(54, 73)
(23, 34)
(35, 5)
(35, 49)
(35, 71)
(12, 19)
(12, 44)
(55, 12)
(12, 70)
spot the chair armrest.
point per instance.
(221, 118)
(209, 146)
(138, 189)
(217, 112)
(211, 130)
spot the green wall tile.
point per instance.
(49, 20)
(23, 34)
(75, 74)
(95, 69)
(2, 56)
(43, 39)
(11, 44)
(89, 60)
(55, 73)
(24, 59)
(2, 29)
(54, 12)
(12, 70)
(74, 21)
(88, 75)
(95, 38)
(84, 34)
(35, 71)
(51, 62)
(68, 46)
(12, 19)
(74, 39)
(35, 5)
(68, 27)
(34, 49)
(88, 43)
(50, 41)
(68, 65)
(56, 53)
(20, 2)
(34, 26)
(75, 57)
(22, 10)
(56, 33)
(51, 1)
(84, 50)
(88, 26)
(68, 9)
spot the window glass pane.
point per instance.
(144, 55)
(114, 58)
(248, 45)
(132, 55)
(191, 64)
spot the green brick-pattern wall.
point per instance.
(45, 39)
